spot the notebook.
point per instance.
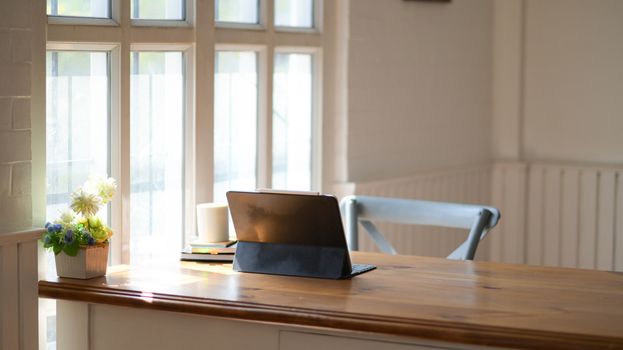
(290, 233)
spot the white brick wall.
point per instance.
(16, 40)
(5, 44)
(21, 113)
(18, 251)
(6, 122)
(5, 180)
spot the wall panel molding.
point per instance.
(571, 213)
(553, 213)
(18, 290)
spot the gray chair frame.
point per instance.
(365, 209)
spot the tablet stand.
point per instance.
(291, 259)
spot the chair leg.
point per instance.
(475, 234)
(352, 225)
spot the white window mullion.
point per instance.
(204, 102)
(265, 116)
(189, 146)
(121, 245)
(265, 122)
(120, 253)
(317, 120)
(117, 156)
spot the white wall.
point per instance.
(15, 93)
(419, 86)
(574, 80)
(22, 72)
(440, 85)
(430, 84)
(558, 81)
(558, 119)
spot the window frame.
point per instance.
(113, 20)
(316, 113)
(316, 27)
(199, 36)
(262, 18)
(187, 21)
(188, 163)
(113, 51)
(260, 147)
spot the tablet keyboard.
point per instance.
(360, 268)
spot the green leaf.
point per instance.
(57, 249)
(72, 249)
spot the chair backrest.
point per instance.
(365, 209)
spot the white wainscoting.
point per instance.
(18, 290)
(466, 185)
(572, 215)
(552, 214)
(509, 193)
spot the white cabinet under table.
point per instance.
(407, 303)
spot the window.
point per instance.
(179, 114)
(237, 11)
(157, 150)
(158, 9)
(77, 138)
(77, 133)
(292, 121)
(235, 122)
(294, 13)
(79, 8)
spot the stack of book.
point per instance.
(217, 251)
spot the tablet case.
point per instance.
(290, 234)
(291, 259)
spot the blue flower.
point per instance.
(47, 224)
(69, 236)
(58, 227)
(90, 240)
(51, 229)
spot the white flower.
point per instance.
(85, 202)
(104, 187)
(67, 216)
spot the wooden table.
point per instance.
(408, 301)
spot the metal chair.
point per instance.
(365, 209)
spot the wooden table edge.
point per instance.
(453, 332)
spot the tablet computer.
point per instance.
(290, 233)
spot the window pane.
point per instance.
(77, 134)
(292, 121)
(79, 8)
(294, 13)
(156, 156)
(237, 11)
(158, 9)
(235, 122)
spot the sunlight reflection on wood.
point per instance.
(147, 296)
(223, 269)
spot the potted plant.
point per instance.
(79, 238)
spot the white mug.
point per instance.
(212, 224)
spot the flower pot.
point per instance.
(90, 262)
